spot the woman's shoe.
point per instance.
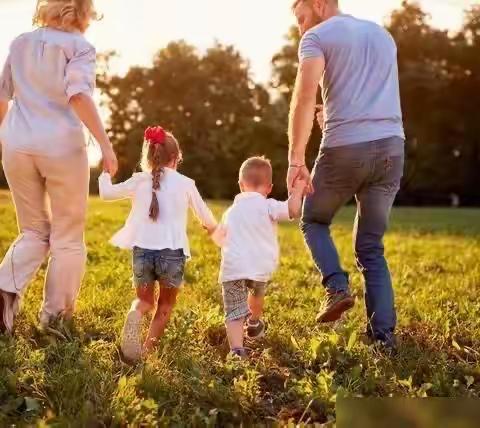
(6, 313)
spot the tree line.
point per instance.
(221, 115)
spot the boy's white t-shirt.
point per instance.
(248, 237)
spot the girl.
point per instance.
(156, 231)
(49, 76)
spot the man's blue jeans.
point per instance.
(371, 172)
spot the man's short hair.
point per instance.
(256, 172)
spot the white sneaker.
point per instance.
(6, 312)
(131, 346)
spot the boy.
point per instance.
(250, 250)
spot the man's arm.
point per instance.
(302, 114)
(295, 200)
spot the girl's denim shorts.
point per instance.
(165, 266)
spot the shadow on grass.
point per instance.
(62, 382)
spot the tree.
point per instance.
(221, 116)
(285, 64)
(440, 125)
(209, 102)
(440, 91)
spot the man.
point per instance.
(361, 155)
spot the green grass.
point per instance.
(299, 371)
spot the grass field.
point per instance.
(299, 371)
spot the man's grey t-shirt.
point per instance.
(360, 86)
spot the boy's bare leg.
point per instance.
(255, 304)
(255, 326)
(166, 303)
(235, 333)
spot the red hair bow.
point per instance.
(155, 135)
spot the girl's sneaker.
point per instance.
(255, 329)
(131, 346)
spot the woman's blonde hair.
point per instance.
(66, 15)
(155, 157)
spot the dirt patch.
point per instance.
(216, 336)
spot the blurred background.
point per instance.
(220, 73)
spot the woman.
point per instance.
(49, 76)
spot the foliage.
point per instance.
(296, 375)
(438, 80)
(207, 100)
(221, 116)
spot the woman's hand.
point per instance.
(109, 159)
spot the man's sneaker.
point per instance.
(6, 313)
(255, 329)
(386, 344)
(131, 346)
(335, 304)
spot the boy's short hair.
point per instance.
(256, 172)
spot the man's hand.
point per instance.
(295, 200)
(299, 173)
(299, 186)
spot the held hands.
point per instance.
(299, 176)
(109, 159)
(218, 234)
(295, 200)
(300, 187)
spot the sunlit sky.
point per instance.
(136, 29)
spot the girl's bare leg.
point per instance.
(166, 303)
(145, 300)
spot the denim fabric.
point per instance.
(371, 172)
(166, 266)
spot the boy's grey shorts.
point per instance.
(235, 297)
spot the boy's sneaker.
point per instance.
(240, 353)
(255, 329)
(131, 346)
(335, 304)
(6, 313)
